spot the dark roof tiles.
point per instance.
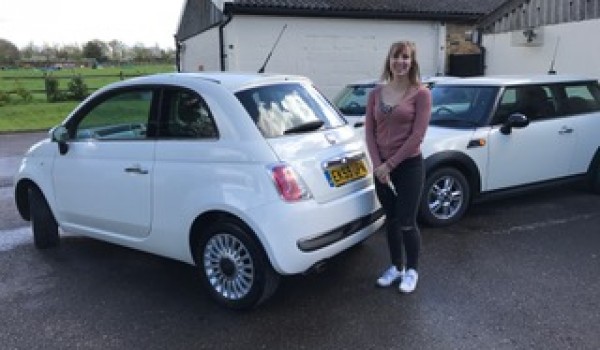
(396, 6)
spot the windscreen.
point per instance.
(352, 100)
(462, 106)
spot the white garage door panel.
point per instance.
(332, 52)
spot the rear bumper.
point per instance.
(297, 236)
(339, 233)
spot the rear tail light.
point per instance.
(288, 183)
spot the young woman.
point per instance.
(397, 117)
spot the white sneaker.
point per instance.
(409, 281)
(390, 276)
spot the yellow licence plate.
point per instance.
(342, 174)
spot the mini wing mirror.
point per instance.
(516, 120)
(60, 135)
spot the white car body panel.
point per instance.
(513, 154)
(586, 129)
(114, 199)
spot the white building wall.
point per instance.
(201, 52)
(332, 52)
(578, 50)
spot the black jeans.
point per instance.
(401, 211)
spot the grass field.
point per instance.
(38, 114)
(33, 117)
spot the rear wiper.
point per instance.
(308, 126)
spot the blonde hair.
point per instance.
(396, 49)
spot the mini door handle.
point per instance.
(565, 130)
(136, 169)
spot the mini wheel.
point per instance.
(446, 196)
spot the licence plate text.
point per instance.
(342, 174)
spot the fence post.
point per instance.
(47, 88)
(121, 75)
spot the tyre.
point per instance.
(43, 223)
(233, 266)
(446, 196)
(595, 179)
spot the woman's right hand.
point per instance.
(382, 173)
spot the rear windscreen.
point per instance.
(281, 108)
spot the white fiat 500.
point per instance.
(246, 176)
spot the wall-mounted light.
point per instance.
(529, 34)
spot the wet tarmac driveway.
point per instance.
(521, 273)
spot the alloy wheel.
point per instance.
(445, 197)
(228, 266)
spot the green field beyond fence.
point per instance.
(24, 102)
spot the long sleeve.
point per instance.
(371, 129)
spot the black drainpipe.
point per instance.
(221, 40)
(178, 54)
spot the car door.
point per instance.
(581, 104)
(103, 182)
(538, 152)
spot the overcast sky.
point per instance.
(149, 22)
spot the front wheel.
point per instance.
(445, 199)
(233, 267)
(43, 223)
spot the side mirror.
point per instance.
(516, 120)
(60, 135)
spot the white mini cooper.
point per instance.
(496, 135)
(247, 176)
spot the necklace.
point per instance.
(387, 109)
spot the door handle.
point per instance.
(136, 169)
(565, 130)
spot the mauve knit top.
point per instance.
(397, 135)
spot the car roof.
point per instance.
(523, 79)
(233, 81)
(426, 79)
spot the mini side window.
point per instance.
(534, 101)
(123, 116)
(581, 98)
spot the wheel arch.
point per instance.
(204, 220)
(595, 163)
(461, 162)
(594, 168)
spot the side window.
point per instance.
(506, 106)
(123, 116)
(186, 115)
(581, 98)
(534, 101)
